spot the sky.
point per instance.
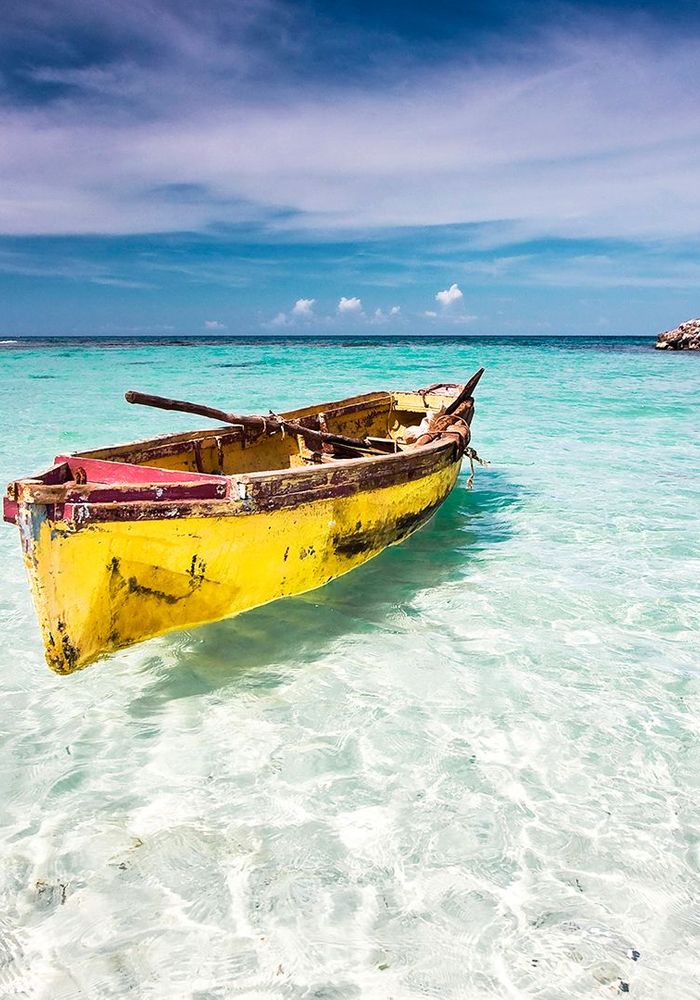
(267, 167)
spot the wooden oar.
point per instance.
(271, 423)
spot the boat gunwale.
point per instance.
(246, 500)
(163, 476)
(235, 493)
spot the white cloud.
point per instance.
(449, 296)
(589, 133)
(450, 317)
(383, 317)
(304, 308)
(351, 306)
(654, 267)
(214, 324)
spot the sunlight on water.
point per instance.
(469, 769)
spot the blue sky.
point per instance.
(272, 167)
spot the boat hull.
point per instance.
(129, 542)
(114, 577)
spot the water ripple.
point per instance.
(469, 769)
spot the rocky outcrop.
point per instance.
(685, 337)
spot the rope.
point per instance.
(456, 416)
(276, 417)
(473, 457)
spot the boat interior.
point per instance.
(380, 419)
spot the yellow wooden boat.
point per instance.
(129, 542)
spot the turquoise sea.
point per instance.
(470, 769)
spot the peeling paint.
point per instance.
(378, 536)
(120, 584)
(30, 517)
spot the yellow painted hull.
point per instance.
(114, 584)
(126, 543)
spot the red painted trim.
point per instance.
(149, 491)
(57, 474)
(306, 485)
(100, 471)
(9, 510)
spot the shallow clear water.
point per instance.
(468, 769)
